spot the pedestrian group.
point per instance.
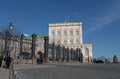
(5, 61)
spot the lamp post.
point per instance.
(1, 46)
(33, 43)
(21, 42)
(7, 39)
(45, 48)
(33, 48)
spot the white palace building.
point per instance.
(69, 34)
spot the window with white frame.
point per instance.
(59, 32)
(77, 41)
(65, 32)
(65, 42)
(52, 41)
(71, 41)
(77, 32)
(71, 32)
(86, 51)
(53, 33)
(58, 42)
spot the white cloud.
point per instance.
(111, 14)
(104, 21)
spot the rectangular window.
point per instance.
(86, 59)
(59, 33)
(18, 44)
(58, 42)
(77, 41)
(65, 41)
(52, 41)
(53, 33)
(77, 32)
(65, 33)
(71, 41)
(71, 32)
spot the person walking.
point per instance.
(1, 61)
(8, 61)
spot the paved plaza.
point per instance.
(64, 71)
(4, 73)
(69, 71)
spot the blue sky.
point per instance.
(100, 18)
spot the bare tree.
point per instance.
(8, 34)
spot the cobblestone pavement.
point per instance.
(70, 71)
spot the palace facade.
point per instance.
(69, 34)
(64, 43)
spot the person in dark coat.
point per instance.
(8, 61)
(1, 61)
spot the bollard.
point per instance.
(12, 72)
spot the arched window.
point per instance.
(80, 55)
(86, 52)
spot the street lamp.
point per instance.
(33, 44)
(7, 39)
(11, 26)
(46, 47)
(33, 48)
